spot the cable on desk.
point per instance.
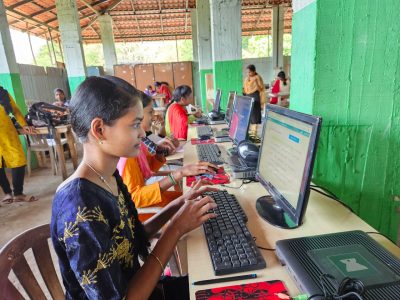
(325, 190)
(263, 248)
(382, 234)
(244, 181)
(266, 249)
(356, 287)
(332, 197)
(315, 295)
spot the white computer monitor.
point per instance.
(285, 165)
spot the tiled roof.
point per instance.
(135, 20)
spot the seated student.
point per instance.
(60, 98)
(136, 170)
(162, 88)
(176, 118)
(95, 229)
(149, 91)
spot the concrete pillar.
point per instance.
(195, 66)
(9, 71)
(226, 37)
(204, 46)
(70, 29)
(278, 13)
(107, 39)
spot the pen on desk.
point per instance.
(225, 279)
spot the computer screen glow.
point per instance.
(240, 119)
(217, 101)
(229, 108)
(284, 154)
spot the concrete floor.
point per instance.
(17, 217)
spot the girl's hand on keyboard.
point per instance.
(193, 214)
(198, 168)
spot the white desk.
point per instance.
(323, 216)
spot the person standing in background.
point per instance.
(11, 152)
(254, 87)
(280, 89)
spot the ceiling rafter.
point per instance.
(144, 19)
(19, 4)
(137, 21)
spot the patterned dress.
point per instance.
(95, 236)
(11, 151)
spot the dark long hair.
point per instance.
(181, 91)
(281, 75)
(108, 98)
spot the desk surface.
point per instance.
(323, 216)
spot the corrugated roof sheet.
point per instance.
(136, 20)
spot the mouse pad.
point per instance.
(221, 177)
(195, 141)
(264, 290)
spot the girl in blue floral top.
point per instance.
(94, 226)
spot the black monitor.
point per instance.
(240, 120)
(285, 165)
(217, 101)
(229, 108)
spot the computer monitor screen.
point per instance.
(217, 101)
(285, 165)
(240, 120)
(229, 108)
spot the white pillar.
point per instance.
(195, 67)
(278, 13)
(107, 39)
(203, 20)
(9, 72)
(68, 20)
(226, 41)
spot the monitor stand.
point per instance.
(271, 212)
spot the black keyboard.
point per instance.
(231, 245)
(210, 153)
(204, 130)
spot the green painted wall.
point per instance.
(74, 82)
(12, 83)
(203, 91)
(356, 86)
(228, 77)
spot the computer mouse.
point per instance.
(213, 115)
(248, 151)
(204, 137)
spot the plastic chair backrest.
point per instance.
(12, 259)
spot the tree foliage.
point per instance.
(164, 51)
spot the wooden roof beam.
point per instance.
(137, 21)
(90, 7)
(27, 17)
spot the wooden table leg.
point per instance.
(72, 149)
(60, 154)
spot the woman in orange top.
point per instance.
(136, 170)
(254, 87)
